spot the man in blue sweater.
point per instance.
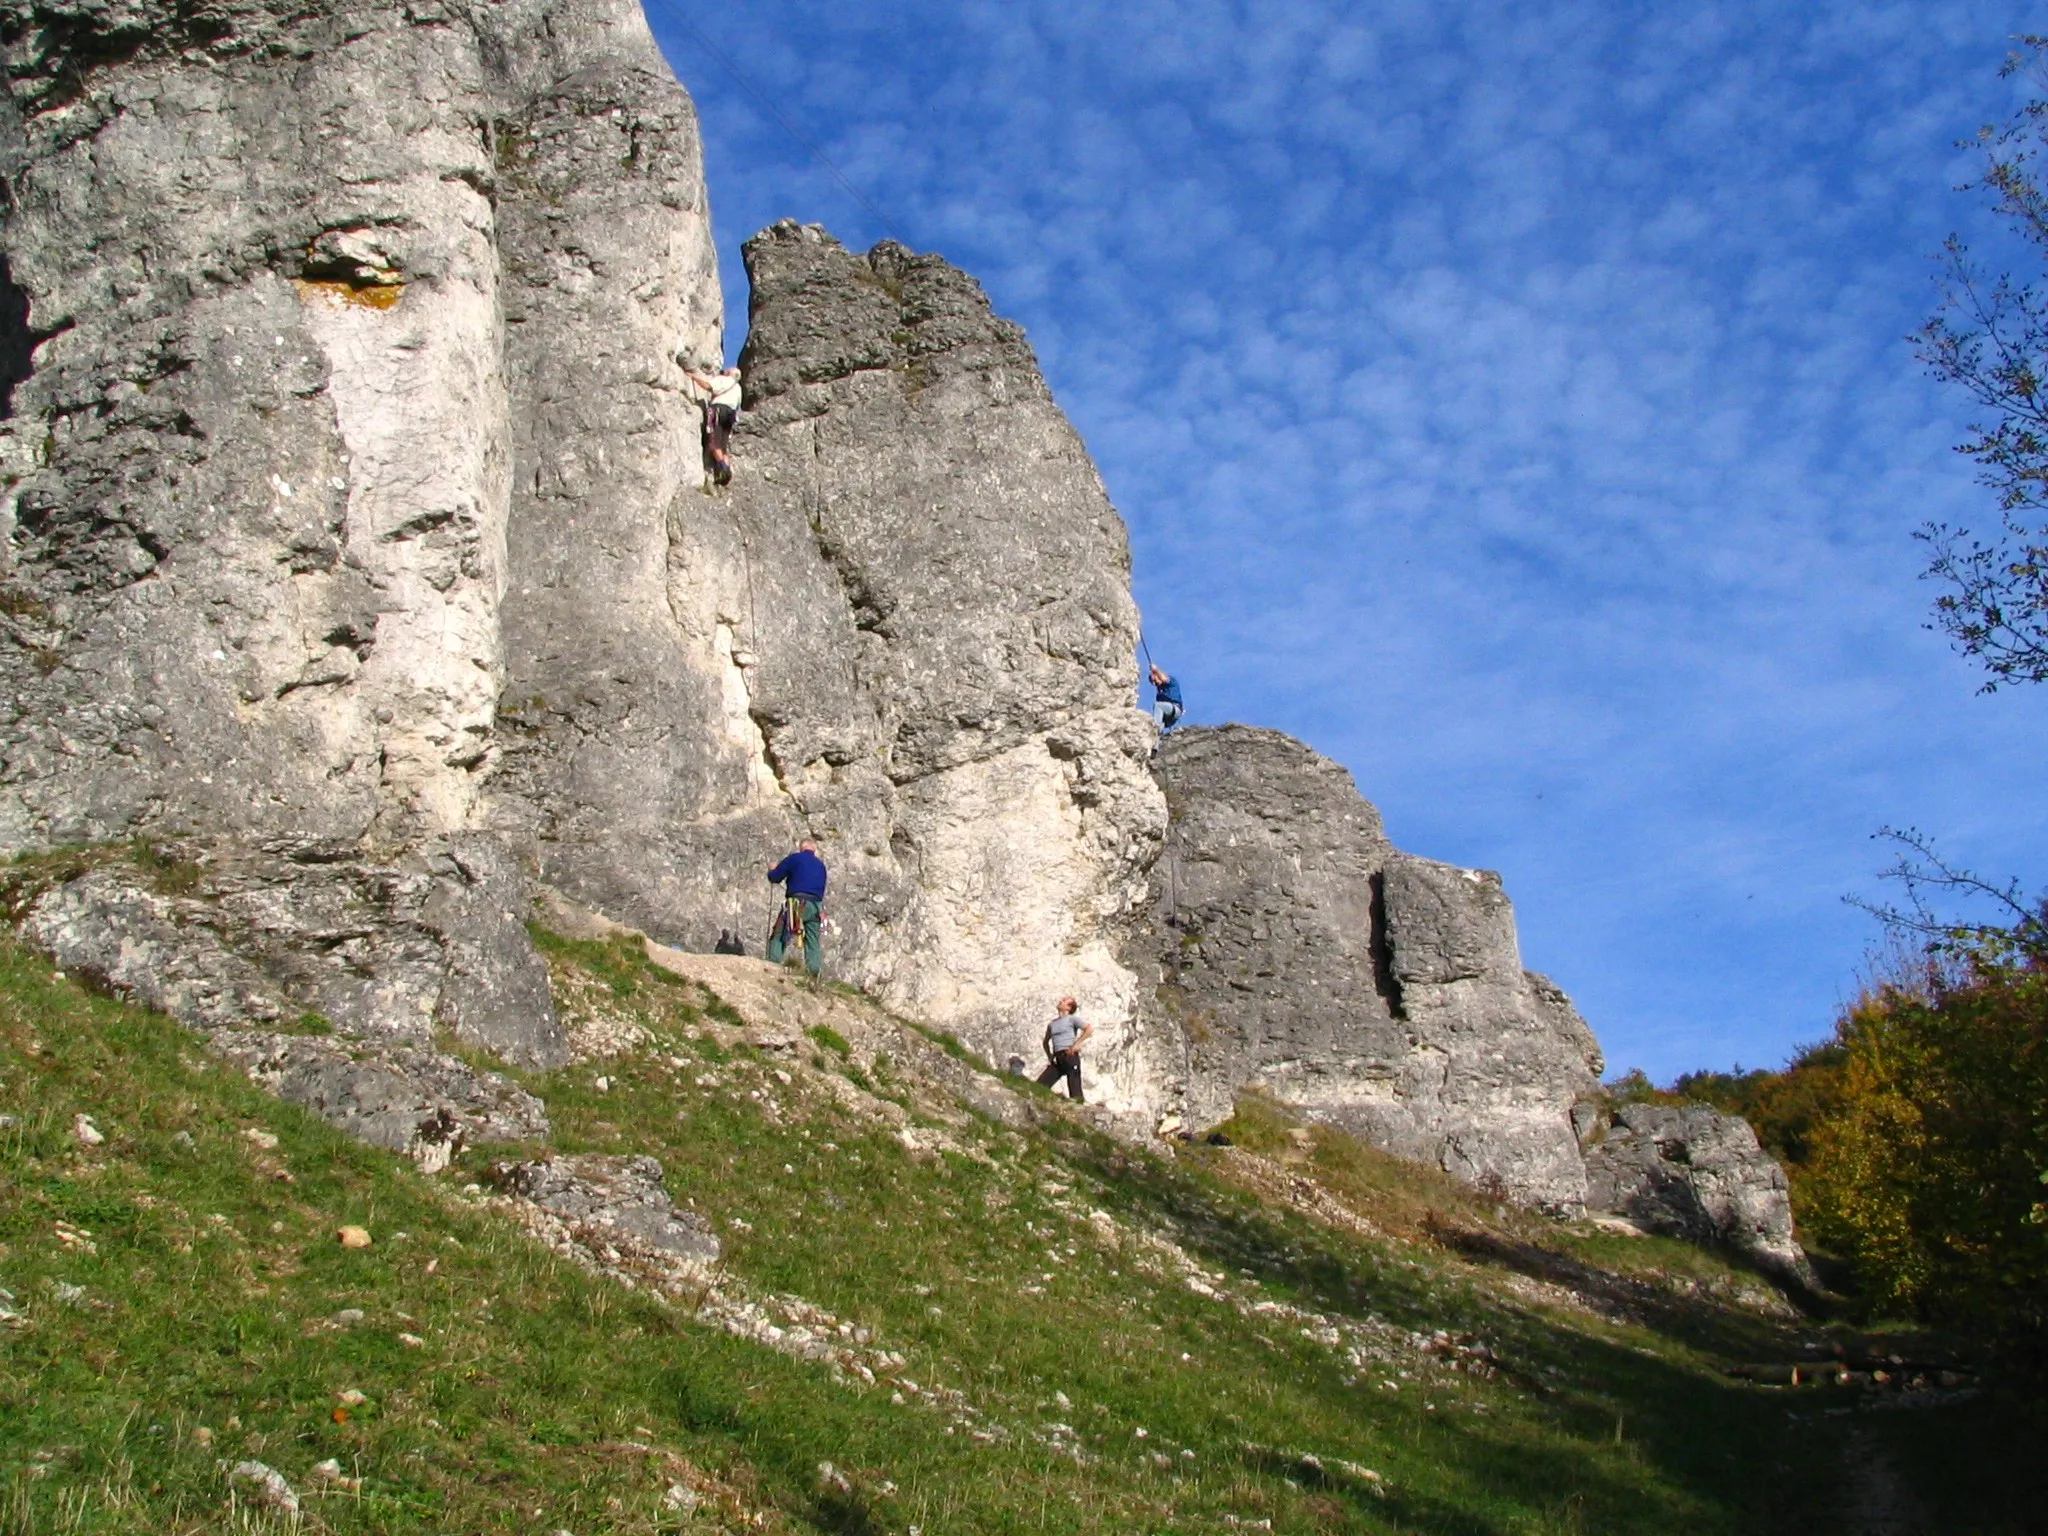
(802, 877)
(1166, 705)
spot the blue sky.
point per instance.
(1511, 401)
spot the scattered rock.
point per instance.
(411, 1340)
(264, 1139)
(612, 1200)
(353, 1237)
(680, 1499)
(264, 1485)
(347, 1317)
(329, 1472)
(87, 1133)
(351, 1398)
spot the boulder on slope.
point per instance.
(1690, 1171)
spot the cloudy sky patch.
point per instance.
(1509, 400)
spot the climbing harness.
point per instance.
(788, 926)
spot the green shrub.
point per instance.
(1784, 1107)
(1928, 1173)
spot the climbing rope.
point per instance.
(747, 569)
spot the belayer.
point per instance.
(721, 401)
(802, 878)
(1166, 705)
(1064, 1037)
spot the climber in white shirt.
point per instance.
(720, 395)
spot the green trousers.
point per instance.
(814, 947)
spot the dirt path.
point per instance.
(1880, 1502)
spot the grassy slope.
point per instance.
(1015, 1268)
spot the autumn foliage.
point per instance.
(1928, 1172)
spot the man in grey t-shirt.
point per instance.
(1064, 1037)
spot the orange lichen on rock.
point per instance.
(366, 295)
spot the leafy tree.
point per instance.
(1990, 338)
(1784, 1107)
(1928, 1174)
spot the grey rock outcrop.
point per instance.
(284, 293)
(1689, 1171)
(421, 1103)
(236, 941)
(612, 1202)
(1301, 954)
(231, 936)
(906, 629)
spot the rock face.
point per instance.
(275, 270)
(1687, 1170)
(267, 274)
(1301, 954)
(905, 629)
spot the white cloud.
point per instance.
(1577, 521)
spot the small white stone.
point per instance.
(264, 1485)
(88, 1134)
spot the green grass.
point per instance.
(1042, 1275)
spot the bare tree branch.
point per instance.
(1989, 337)
(2021, 934)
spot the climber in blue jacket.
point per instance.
(1166, 705)
(802, 877)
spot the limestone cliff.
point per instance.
(281, 283)
(906, 628)
(356, 559)
(274, 264)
